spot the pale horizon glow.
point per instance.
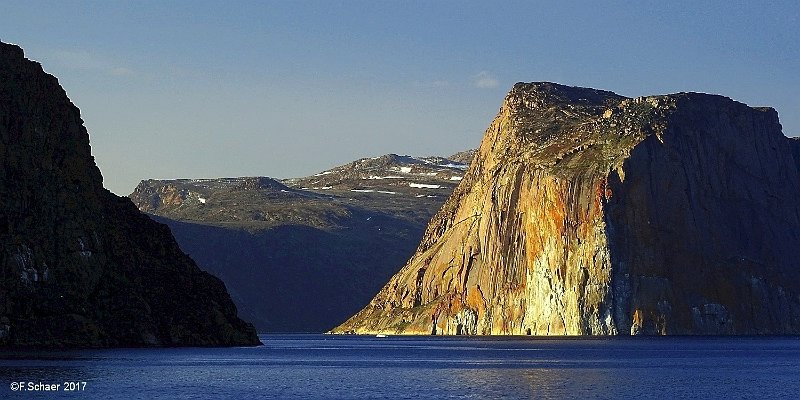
(199, 89)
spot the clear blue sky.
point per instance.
(173, 89)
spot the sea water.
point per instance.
(357, 367)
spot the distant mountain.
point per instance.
(79, 266)
(302, 254)
(464, 157)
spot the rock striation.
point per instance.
(588, 213)
(80, 266)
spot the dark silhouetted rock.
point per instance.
(80, 266)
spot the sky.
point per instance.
(200, 89)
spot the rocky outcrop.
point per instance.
(80, 266)
(587, 213)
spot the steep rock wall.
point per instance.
(80, 266)
(587, 213)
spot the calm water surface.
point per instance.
(320, 366)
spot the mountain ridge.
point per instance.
(339, 234)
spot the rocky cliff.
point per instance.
(80, 266)
(587, 213)
(339, 234)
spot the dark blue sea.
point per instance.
(350, 367)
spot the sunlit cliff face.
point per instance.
(586, 213)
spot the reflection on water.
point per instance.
(318, 366)
(540, 383)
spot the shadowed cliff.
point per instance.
(80, 266)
